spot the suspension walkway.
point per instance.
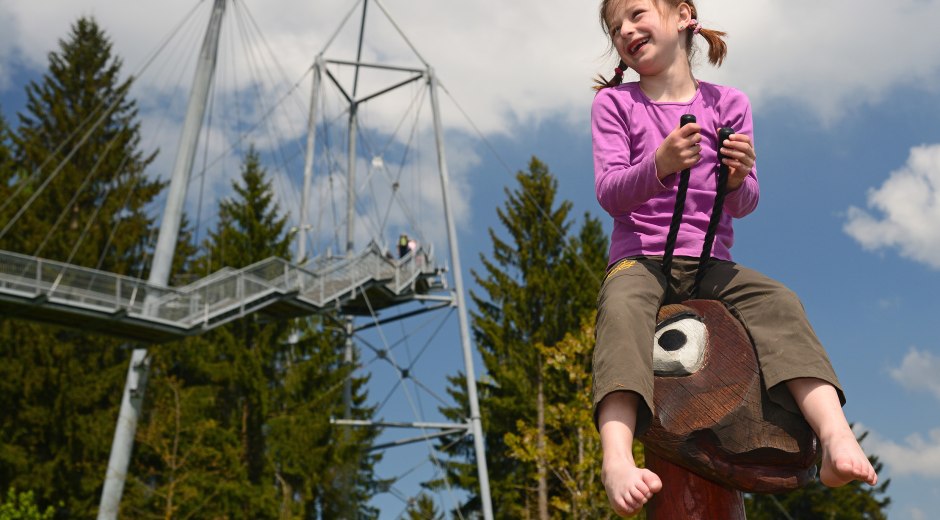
(54, 292)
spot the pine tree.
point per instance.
(538, 286)
(78, 190)
(321, 469)
(250, 229)
(6, 156)
(224, 377)
(185, 464)
(423, 508)
(572, 446)
(80, 134)
(242, 414)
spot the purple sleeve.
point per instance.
(742, 201)
(622, 181)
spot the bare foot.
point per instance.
(628, 487)
(844, 461)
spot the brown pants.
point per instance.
(635, 288)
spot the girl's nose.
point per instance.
(626, 29)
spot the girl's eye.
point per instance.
(638, 13)
(615, 30)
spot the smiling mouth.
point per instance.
(636, 47)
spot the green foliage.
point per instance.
(22, 506)
(327, 466)
(540, 284)
(185, 464)
(238, 421)
(423, 508)
(251, 226)
(854, 501)
(6, 159)
(79, 133)
(78, 140)
(571, 443)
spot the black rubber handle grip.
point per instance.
(723, 134)
(686, 119)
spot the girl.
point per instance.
(638, 148)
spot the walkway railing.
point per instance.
(37, 287)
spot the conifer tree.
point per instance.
(423, 508)
(323, 470)
(78, 190)
(539, 284)
(7, 170)
(234, 369)
(79, 135)
(251, 228)
(572, 447)
(242, 414)
(6, 163)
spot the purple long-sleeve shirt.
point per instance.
(627, 128)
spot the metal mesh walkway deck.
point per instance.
(44, 290)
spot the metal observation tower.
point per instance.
(359, 283)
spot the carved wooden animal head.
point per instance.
(713, 415)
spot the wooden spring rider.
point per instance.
(715, 433)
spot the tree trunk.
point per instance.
(579, 476)
(169, 509)
(541, 468)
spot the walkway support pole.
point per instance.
(186, 155)
(123, 443)
(308, 160)
(132, 400)
(476, 424)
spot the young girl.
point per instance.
(638, 148)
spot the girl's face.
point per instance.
(646, 34)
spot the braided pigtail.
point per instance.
(600, 82)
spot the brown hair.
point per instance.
(717, 48)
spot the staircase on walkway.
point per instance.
(54, 292)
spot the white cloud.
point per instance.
(829, 56)
(909, 207)
(506, 61)
(919, 371)
(9, 37)
(915, 456)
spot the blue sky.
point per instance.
(845, 102)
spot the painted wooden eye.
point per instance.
(679, 345)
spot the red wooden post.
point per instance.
(687, 496)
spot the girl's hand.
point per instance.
(680, 150)
(740, 157)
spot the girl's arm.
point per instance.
(621, 181)
(742, 199)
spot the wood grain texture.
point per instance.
(719, 421)
(687, 496)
